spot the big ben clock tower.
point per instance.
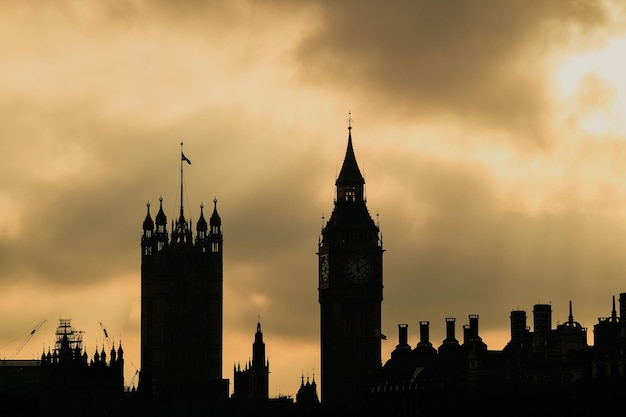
(350, 293)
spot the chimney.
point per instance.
(424, 334)
(473, 327)
(542, 316)
(403, 336)
(403, 346)
(450, 331)
(518, 324)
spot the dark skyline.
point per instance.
(490, 137)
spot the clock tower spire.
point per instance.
(350, 292)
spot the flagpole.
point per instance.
(181, 179)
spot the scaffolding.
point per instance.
(68, 337)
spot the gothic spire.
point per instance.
(350, 173)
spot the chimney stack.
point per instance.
(518, 324)
(542, 316)
(424, 334)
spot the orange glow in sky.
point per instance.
(492, 141)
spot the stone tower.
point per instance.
(350, 293)
(182, 306)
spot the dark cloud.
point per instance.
(473, 60)
(99, 97)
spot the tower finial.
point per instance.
(349, 120)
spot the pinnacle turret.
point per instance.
(201, 226)
(161, 219)
(148, 224)
(215, 220)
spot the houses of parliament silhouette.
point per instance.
(544, 371)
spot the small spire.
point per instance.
(613, 311)
(571, 316)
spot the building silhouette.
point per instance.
(251, 387)
(182, 310)
(307, 400)
(543, 370)
(350, 293)
(252, 382)
(71, 384)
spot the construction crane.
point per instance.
(132, 381)
(106, 334)
(106, 337)
(27, 339)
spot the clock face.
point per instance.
(358, 269)
(324, 269)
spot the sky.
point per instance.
(490, 134)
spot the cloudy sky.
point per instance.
(491, 136)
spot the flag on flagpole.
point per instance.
(185, 158)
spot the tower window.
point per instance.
(148, 233)
(215, 229)
(215, 247)
(147, 250)
(160, 246)
(201, 234)
(160, 228)
(350, 194)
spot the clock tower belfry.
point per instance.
(350, 293)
